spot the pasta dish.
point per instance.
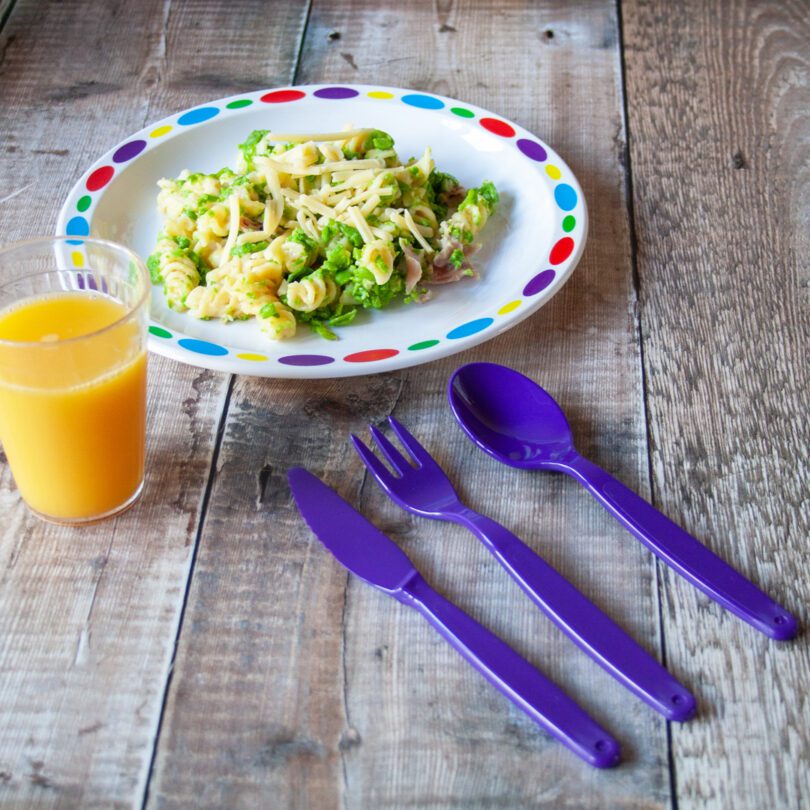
(312, 229)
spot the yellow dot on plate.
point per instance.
(77, 259)
(380, 94)
(510, 307)
(249, 356)
(157, 133)
(553, 172)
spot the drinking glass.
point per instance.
(73, 322)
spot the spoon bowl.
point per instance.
(510, 416)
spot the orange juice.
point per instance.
(73, 403)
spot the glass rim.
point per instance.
(70, 239)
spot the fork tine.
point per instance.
(395, 458)
(410, 442)
(377, 468)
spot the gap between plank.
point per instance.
(631, 221)
(209, 485)
(302, 39)
(5, 13)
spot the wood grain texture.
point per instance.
(299, 687)
(719, 119)
(88, 617)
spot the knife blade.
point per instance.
(357, 544)
(362, 548)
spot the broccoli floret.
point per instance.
(249, 247)
(338, 241)
(248, 148)
(380, 140)
(153, 265)
(204, 203)
(442, 182)
(489, 194)
(471, 198)
(299, 236)
(486, 194)
(300, 266)
(343, 319)
(364, 289)
(464, 236)
(457, 258)
(320, 328)
(335, 230)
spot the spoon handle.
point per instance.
(581, 620)
(690, 558)
(515, 677)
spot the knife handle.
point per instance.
(682, 552)
(590, 628)
(512, 675)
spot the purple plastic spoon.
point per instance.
(513, 419)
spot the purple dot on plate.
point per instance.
(306, 360)
(128, 151)
(335, 93)
(532, 149)
(539, 282)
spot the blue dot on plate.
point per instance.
(469, 328)
(202, 347)
(425, 102)
(78, 226)
(565, 196)
(197, 116)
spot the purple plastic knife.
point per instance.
(371, 555)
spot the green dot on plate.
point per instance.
(462, 112)
(425, 344)
(240, 102)
(83, 203)
(157, 331)
(568, 223)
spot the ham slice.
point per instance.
(444, 272)
(413, 268)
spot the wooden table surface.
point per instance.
(204, 651)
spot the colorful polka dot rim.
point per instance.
(523, 285)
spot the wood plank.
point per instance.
(88, 618)
(296, 683)
(719, 118)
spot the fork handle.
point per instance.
(682, 552)
(581, 620)
(513, 676)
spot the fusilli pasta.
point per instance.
(312, 229)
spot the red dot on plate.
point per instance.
(99, 178)
(498, 127)
(562, 250)
(280, 96)
(371, 355)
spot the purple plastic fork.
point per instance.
(425, 490)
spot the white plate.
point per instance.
(530, 246)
